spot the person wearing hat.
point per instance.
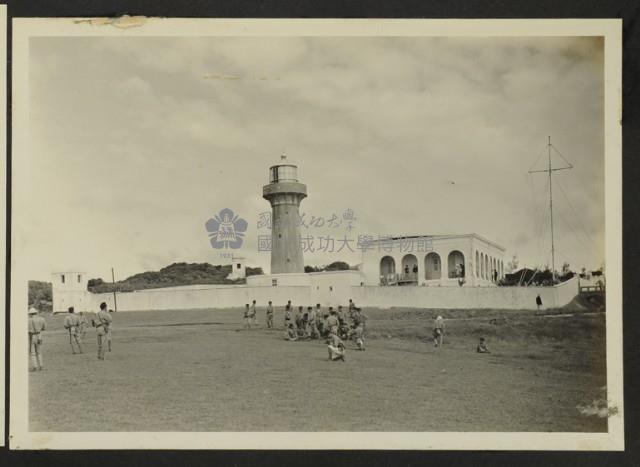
(72, 325)
(438, 331)
(109, 332)
(247, 316)
(312, 323)
(335, 347)
(37, 325)
(482, 346)
(288, 314)
(298, 318)
(84, 323)
(270, 315)
(332, 322)
(254, 314)
(290, 333)
(357, 333)
(102, 322)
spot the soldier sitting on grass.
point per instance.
(357, 334)
(290, 333)
(336, 348)
(332, 322)
(482, 346)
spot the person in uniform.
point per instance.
(82, 327)
(438, 331)
(323, 326)
(352, 309)
(102, 322)
(361, 318)
(482, 346)
(254, 314)
(332, 322)
(287, 315)
(359, 337)
(357, 334)
(290, 333)
(313, 323)
(247, 317)
(109, 331)
(72, 325)
(270, 315)
(335, 347)
(538, 302)
(298, 319)
(37, 325)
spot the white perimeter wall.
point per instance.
(203, 297)
(466, 297)
(368, 296)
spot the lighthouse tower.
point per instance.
(285, 193)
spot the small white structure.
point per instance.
(327, 287)
(433, 260)
(69, 288)
(238, 268)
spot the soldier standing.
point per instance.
(102, 322)
(247, 317)
(269, 315)
(37, 325)
(298, 318)
(438, 331)
(72, 325)
(352, 309)
(254, 316)
(109, 330)
(82, 327)
(313, 323)
(287, 315)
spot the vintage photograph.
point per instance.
(315, 228)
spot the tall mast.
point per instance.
(553, 249)
(549, 170)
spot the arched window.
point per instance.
(482, 265)
(432, 266)
(410, 267)
(477, 264)
(387, 270)
(456, 264)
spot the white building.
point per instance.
(69, 288)
(238, 268)
(433, 260)
(446, 271)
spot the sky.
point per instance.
(135, 142)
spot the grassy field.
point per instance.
(197, 370)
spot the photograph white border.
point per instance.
(3, 199)
(611, 29)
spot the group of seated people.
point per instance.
(333, 325)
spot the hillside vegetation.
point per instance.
(176, 274)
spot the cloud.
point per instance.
(148, 137)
